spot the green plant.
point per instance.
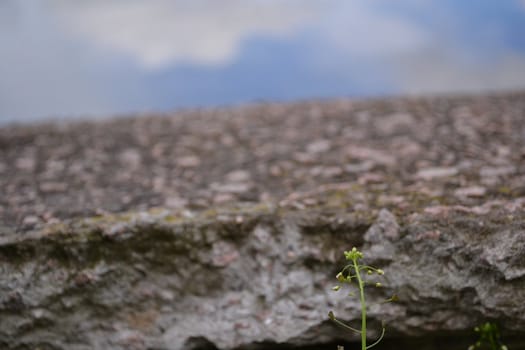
(489, 337)
(352, 274)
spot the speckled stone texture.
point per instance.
(225, 228)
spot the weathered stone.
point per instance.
(433, 173)
(266, 277)
(219, 230)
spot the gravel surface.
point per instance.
(459, 150)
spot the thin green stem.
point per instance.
(363, 305)
(378, 340)
(492, 341)
(344, 325)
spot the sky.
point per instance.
(98, 58)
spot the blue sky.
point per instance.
(104, 57)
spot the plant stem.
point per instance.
(363, 305)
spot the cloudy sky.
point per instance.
(64, 58)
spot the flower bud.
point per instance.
(340, 277)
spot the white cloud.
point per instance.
(440, 72)
(362, 30)
(158, 33)
(39, 75)
(161, 33)
(416, 58)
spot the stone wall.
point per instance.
(225, 229)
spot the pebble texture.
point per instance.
(225, 228)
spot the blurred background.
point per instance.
(70, 59)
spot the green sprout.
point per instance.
(489, 336)
(352, 274)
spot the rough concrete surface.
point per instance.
(225, 228)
